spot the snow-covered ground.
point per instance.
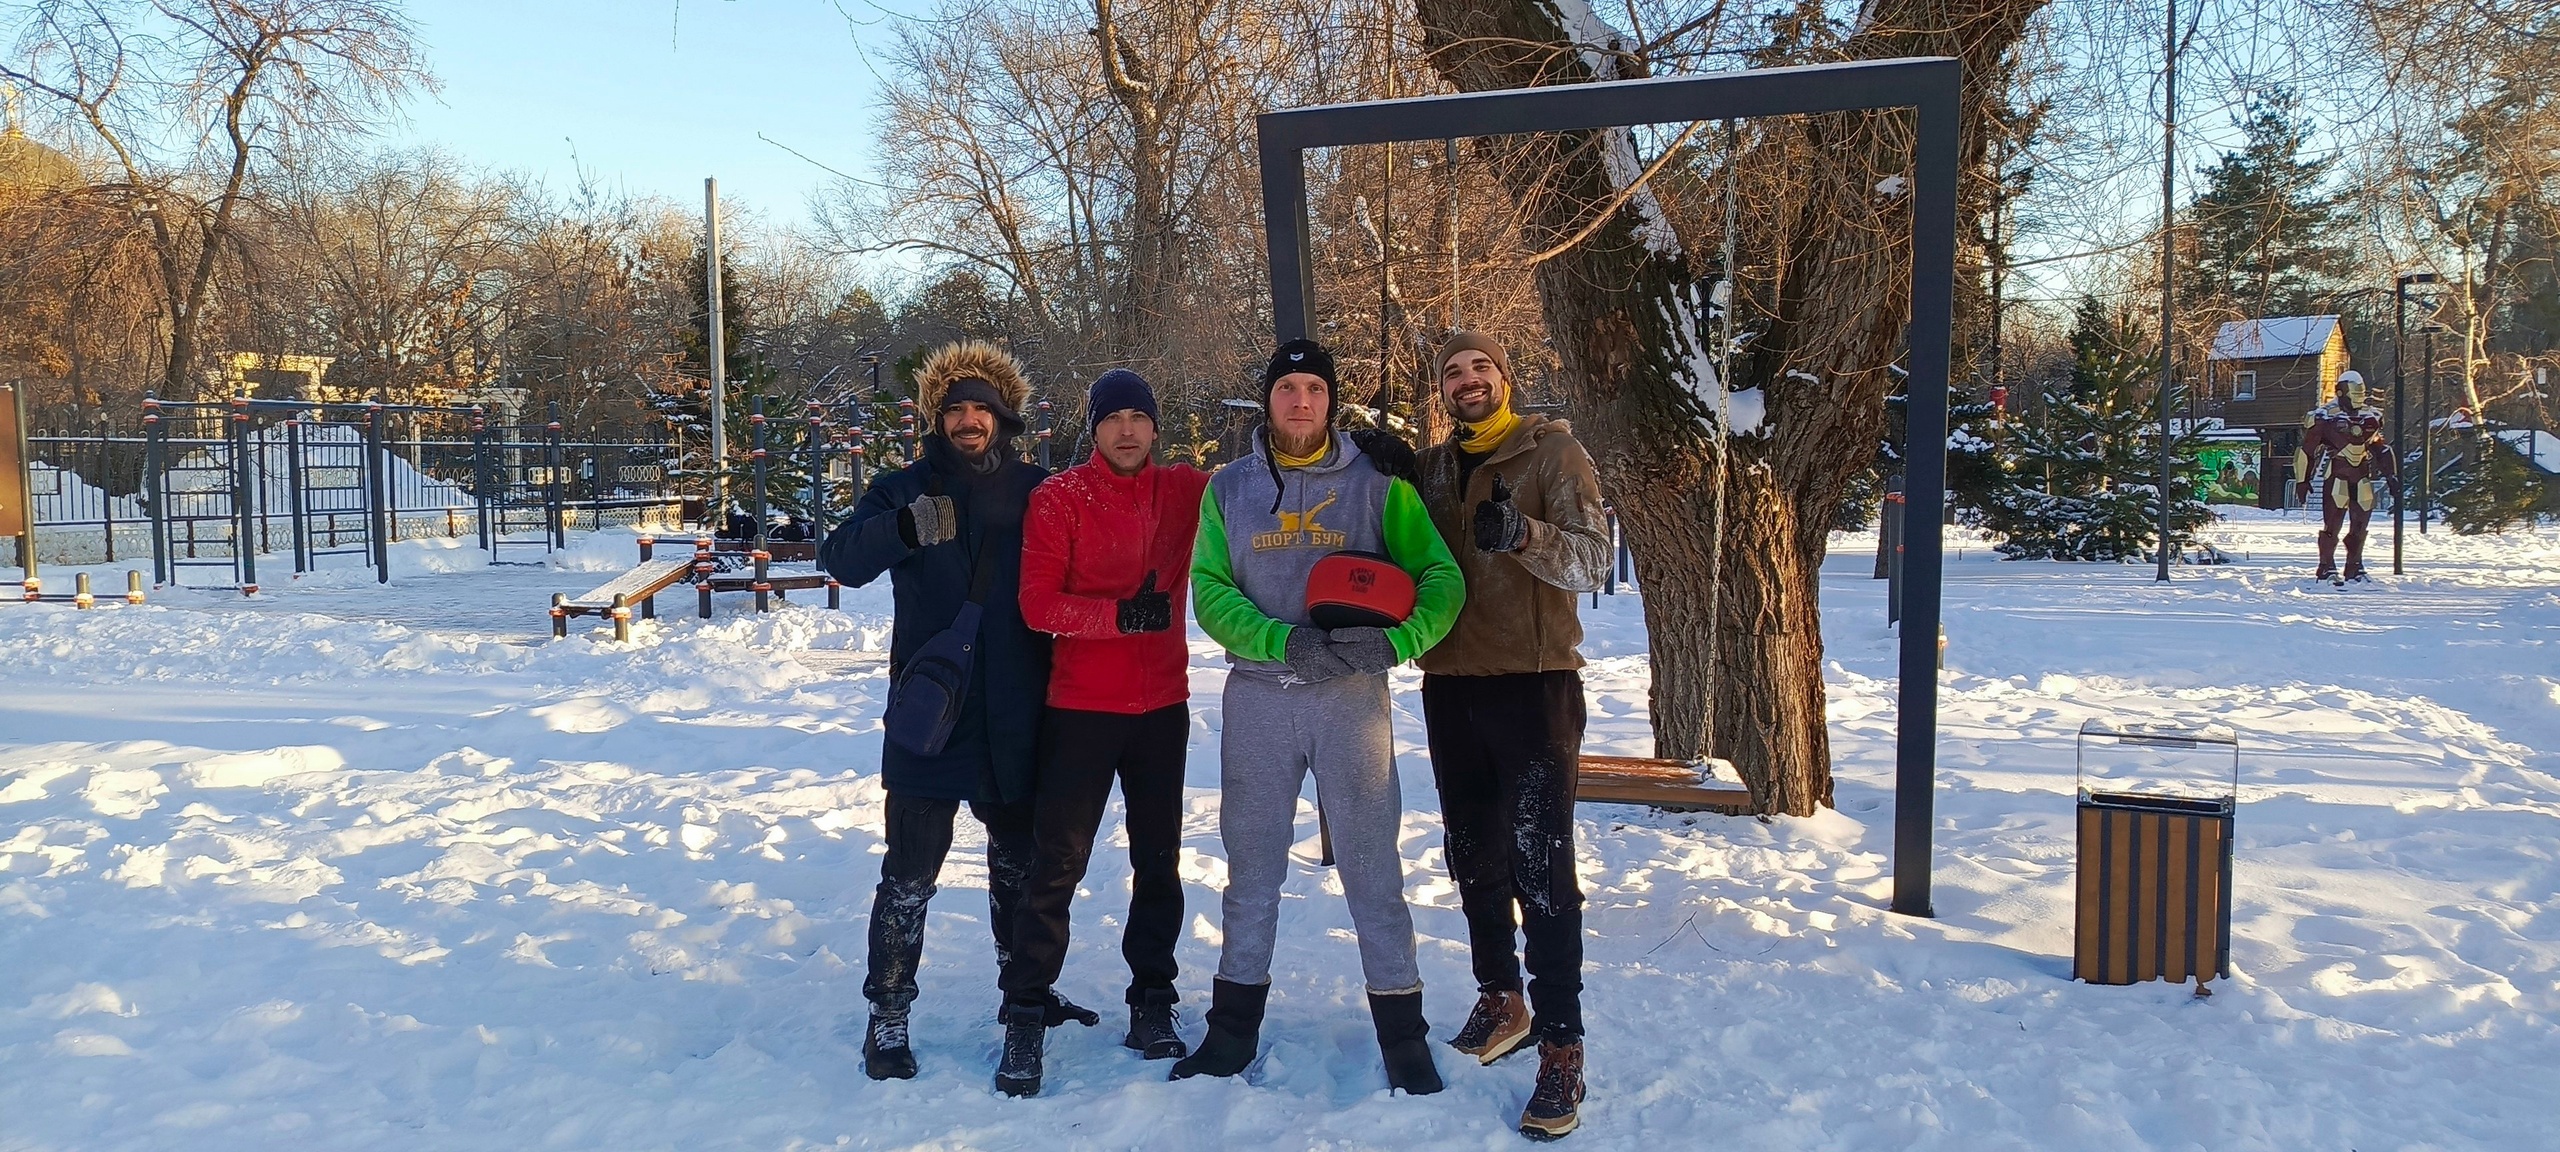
(347, 866)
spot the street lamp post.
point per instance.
(2427, 429)
(2399, 340)
(2168, 260)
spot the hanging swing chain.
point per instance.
(1721, 436)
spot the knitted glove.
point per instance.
(1310, 658)
(1387, 452)
(1366, 651)
(1148, 610)
(1499, 525)
(927, 522)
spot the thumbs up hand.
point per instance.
(1499, 526)
(1146, 610)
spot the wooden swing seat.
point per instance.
(1671, 785)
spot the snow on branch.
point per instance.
(1690, 318)
(1599, 45)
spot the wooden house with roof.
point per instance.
(2264, 374)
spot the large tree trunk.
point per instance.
(1743, 680)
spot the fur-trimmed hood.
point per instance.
(964, 359)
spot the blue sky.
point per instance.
(651, 95)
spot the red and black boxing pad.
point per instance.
(1358, 590)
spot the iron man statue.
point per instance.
(2346, 435)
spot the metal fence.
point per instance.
(207, 488)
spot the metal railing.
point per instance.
(212, 486)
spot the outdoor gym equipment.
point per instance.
(80, 595)
(708, 569)
(17, 514)
(1930, 86)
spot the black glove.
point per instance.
(1387, 452)
(927, 521)
(1148, 610)
(1310, 658)
(1366, 651)
(1499, 525)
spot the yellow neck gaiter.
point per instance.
(1487, 434)
(1309, 460)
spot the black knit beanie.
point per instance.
(1301, 355)
(1119, 390)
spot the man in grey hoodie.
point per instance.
(1300, 699)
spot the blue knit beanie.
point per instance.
(1117, 389)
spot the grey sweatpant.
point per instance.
(1275, 732)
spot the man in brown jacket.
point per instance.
(1516, 500)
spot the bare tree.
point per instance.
(1628, 314)
(399, 268)
(190, 98)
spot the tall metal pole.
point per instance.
(2168, 259)
(2426, 437)
(1386, 258)
(24, 481)
(2400, 380)
(1453, 234)
(155, 487)
(719, 350)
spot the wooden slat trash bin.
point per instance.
(2155, 836)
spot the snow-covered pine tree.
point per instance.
(2496, 490)
(1973, 459)
(2083, 483)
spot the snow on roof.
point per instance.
(2271, 336)
(2542, 448)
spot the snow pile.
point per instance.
(356, 866)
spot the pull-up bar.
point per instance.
(1929, 85)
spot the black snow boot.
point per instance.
(1405, 1041)
(1235, 1031)
(1018, 1069)
(885, 1055)
(1151, 1025)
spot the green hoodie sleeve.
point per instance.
(1220, 606)
(1415, 545)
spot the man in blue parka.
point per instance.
(930, 526)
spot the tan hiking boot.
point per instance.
(1555, 1108)
(1497, 1027)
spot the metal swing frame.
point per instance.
(1930, 86)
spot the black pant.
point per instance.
(918, 837)
(1504, 750)
(1080, 753)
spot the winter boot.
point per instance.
(1151, 1025)
(1497, 1027)
(1235, 1031)
(1405, 1041)
(1555, 1108)
(885, 1055)
(1018, 1069)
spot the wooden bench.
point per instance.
(782, 551)
(1671, 785)
(706, 568)
(640, 585)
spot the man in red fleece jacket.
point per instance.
(1106, 562)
